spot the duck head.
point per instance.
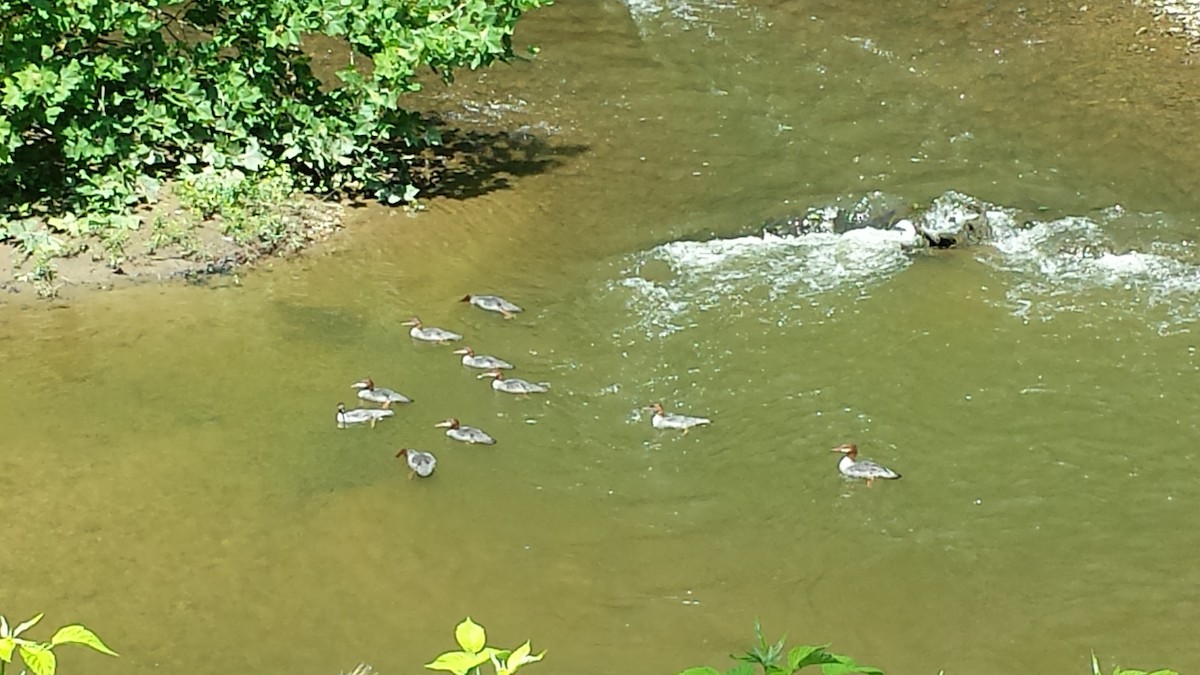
(466, 298)
(655, 408)
(367, 384)
(465, 351)
(415, 321)
(497, 374)
(403, 452)
(848, 449)
(448, 424)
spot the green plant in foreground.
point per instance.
(769, 658)
(39, 656)
(1117, 670)
(475, 652)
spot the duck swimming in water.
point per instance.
(852, 467)
(419, 463)
(367, 391)
(465, 434)
(493, 303)
(429, 334)
(663, 420)
(470, 360)
(515, 385)
(370, 416)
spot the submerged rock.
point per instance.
(952, 220)
(955, 219)
(875, 210)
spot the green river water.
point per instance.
(172, 475)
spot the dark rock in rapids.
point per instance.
(955, 220)
(952, 220)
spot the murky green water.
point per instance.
(172, 475)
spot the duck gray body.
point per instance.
(472, 360)
(429, 333)
(367, 391)
(664, 420)
(851, 466)
(493, 303)
(515, 385)
(419, 463)
(466, 434)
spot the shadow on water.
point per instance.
(473, 162)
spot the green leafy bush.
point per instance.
(100, 99)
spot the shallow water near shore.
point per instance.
(174, 478)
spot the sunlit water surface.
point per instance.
(172, 475)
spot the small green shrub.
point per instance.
(474, 653)
(39, 656)
(1117, 670)
(770, 659)
(250, 207)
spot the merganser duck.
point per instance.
(515, 385)
(493, 303)
(367, 391)
(662, 420)
(419, 463)
(852, 467)
(370, 416)
(465, 434)
(429, 334)
(470, 360)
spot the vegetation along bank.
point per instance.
(150, 139)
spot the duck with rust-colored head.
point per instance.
(851, 466)
(515, 385)
(419, 463)
(471, 360)
(493, 303)
(367, 391)
(429, 333)
(664, 420)
(461, 432)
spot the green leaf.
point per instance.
(26, 626)
(699, 670)
(38, 658)
(741, 669)
(470, 636)
(459, 662)
(80, 635)
(1095, 665)
(6, 649)
(808, 655)
(518, 656)
(848, 666)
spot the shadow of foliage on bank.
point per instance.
(473, 162)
